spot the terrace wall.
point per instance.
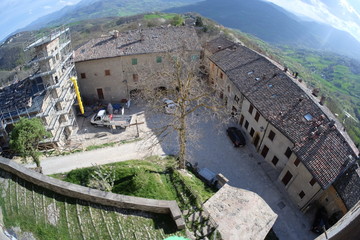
(93, 195)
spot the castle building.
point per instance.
(287, 125)
(121, 65)
(48, 93)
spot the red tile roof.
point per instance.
(141, 41)
(279, 99)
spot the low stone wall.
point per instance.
(93, 195)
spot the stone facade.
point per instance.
(287, 125)
(118, 67)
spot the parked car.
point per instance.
(169, 105)
(321, 221)
(236, 136)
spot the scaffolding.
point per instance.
(53, 66)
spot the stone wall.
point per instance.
(93, 195)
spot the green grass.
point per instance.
(27, 206)
(149, 178)
(160, 15)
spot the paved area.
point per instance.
(128, 151)
(211, 148)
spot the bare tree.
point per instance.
(184, 98)
(103, 178)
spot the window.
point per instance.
(252, 131)
(158, 59)
(275, 160)
(297, 162)
(302, 194)
(221, 75)
(241, 119)
(312, 182)
(286, 179)
(228, 88)
(134, 61)
(288, 152)
(251, 109)
(246, 124)
(100, 93)
(107, 72)
(233, 111)
(82, 75)
(221, 95)
(236, 99)
(135, 77)
(271, 135)
(308, 117)
(265, 151)
(257, 116)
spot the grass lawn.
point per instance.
(149, 178)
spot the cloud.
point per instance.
(320, 12)
(346, 5)
(47, 7)
(67, 3)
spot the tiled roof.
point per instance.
(348, 186)
(218, 44)
(142, 41)
(319, 145)
(229, 59)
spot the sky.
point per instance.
(341, 14)
(15, 14)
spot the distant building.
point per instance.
(118, 66)
(299, 137)
(47, 94)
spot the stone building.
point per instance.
(298, 136)
(47, 94)
(119, 66)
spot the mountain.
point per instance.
(275, 25)
(90, 9)
(265, 20)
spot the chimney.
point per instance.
(322, 100)
(116, 34)
(219, 47)
(142, 38)
(315, 92)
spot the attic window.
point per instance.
(270, 85)
(257, 79)
(308, 117)
(251, 72)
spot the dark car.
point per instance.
(236, 136)
(321, 221)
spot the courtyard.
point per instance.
(211, 148)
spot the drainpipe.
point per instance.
(258, 148)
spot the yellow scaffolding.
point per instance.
(76, 87)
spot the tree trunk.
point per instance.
(182, 144)
(36, 159)
(182, 136)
